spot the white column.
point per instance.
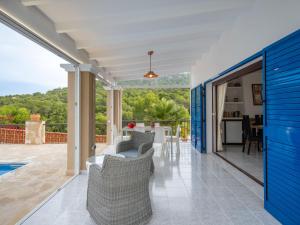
(81, 116)
(110, 116)
(77, 122)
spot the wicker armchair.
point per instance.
(138, 144)
(115, 196)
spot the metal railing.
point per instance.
(56, 127)
(12, 131)
(184, 125)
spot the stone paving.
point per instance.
(25, 188)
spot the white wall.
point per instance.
(247, 81)
(265, 23)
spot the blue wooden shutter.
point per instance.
(282, 129)
(199, 118)
(193, 115)
(204, 119)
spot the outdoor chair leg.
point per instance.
(249, 147)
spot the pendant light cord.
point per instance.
(150, 54)
(150, 62)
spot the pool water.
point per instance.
(7, 167)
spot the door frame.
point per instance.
(253, 67)
(251, 64)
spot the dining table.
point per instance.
(168, 130)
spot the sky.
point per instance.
(27, 67)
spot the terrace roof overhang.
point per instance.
(115, 38)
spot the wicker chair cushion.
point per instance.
(132, 153)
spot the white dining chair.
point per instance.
(156, 124)
(140, 129)
(175, 138)
(160, 137)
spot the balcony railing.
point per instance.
(55, 133)
(63, 127)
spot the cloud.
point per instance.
(23, 61)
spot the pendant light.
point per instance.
(150, 74)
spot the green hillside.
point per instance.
(138, 104)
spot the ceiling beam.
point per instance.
(143, 53)
(147, 36)
(141, 62)
(141, 75)
(154, 67)
(109, 19)
(35, 2)
(172, 47)
(30, 19)
(164, 71)
(210, 35)
(138, 59)
(154, 64)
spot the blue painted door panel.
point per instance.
(193, 113)
(197, 118)
(204, 120)
(282, 129)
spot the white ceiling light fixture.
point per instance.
(151, 74)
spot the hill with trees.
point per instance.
(138, 104)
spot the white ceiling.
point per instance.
(119, 33)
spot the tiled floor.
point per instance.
(252, 163)
(187, 188)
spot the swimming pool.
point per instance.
(7, 167)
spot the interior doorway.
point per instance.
(238, 125)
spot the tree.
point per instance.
(21, 115)
(166, 110)
(138, 104)
(12, 114)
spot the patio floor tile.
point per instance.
(187, 188)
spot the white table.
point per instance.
(168, 129)
(99, 160)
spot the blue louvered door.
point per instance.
(199, 118)
(204, 119)
(193, 116)
(282, 129)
